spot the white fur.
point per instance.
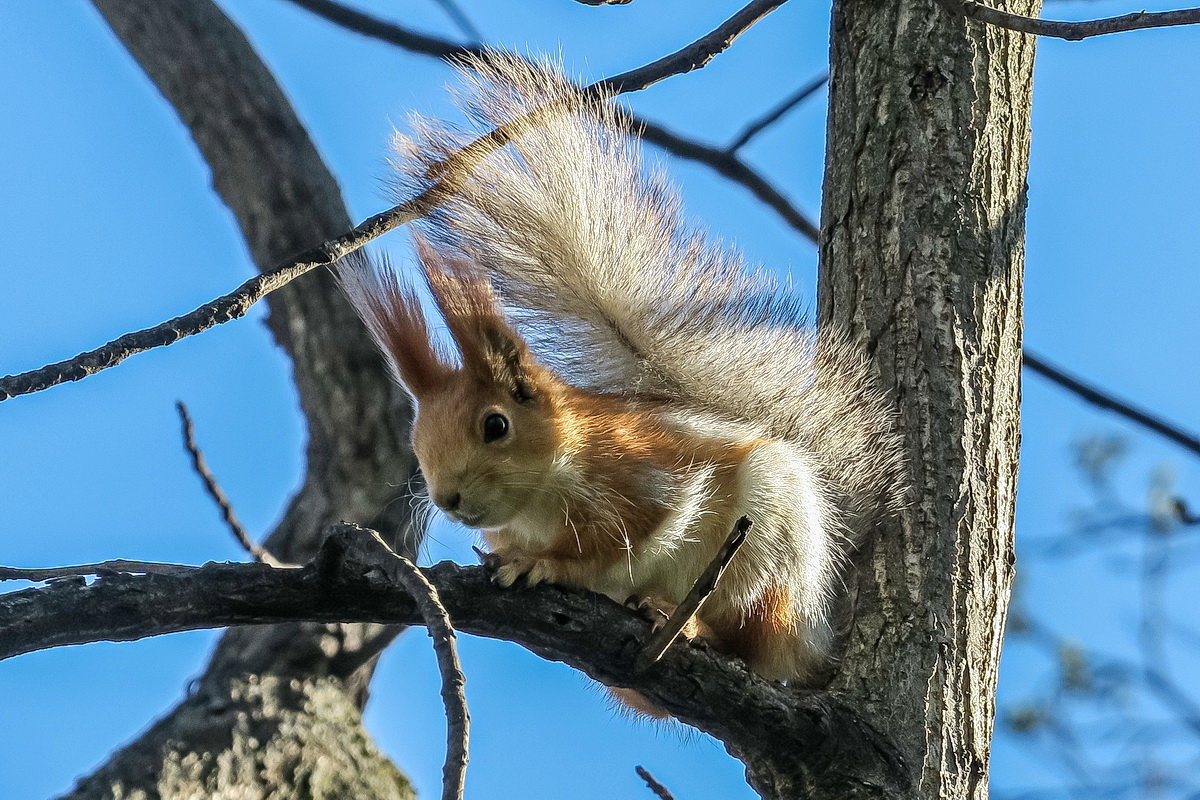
(614, 291)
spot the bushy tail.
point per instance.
(615, 292)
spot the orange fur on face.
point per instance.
(494, 480)
(595, 509)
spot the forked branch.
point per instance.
(790, 740)
(437, 623)
(1072, 31)
(237, 303)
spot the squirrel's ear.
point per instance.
(393, 315)
(488, 344)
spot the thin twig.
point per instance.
(237, 303)
(200, 465)
(1106, 401)
(725, 163)
(662, 638)
(659, 790)
(693, 56)
(730, 166)
(460, 18)
(1071, 31)
(772, 116)
(441, 631)
(223, 309)
(356, 21)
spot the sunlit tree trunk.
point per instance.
(921, 259)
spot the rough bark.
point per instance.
(921, 259)
(277, 712)
(809, 741)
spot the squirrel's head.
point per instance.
(484, 431)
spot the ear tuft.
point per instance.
(392, 313)
(487, 343)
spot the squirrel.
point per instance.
(623, 389)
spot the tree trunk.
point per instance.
(278, 711)
(921, 260)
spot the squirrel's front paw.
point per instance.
(658, 612)
(651, 609)
(510, 569)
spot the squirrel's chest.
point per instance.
(650, 524)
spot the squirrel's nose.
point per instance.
(448, 502)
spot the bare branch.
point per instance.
(223, 309)
(659, 790)
(119, 566)
(662, 638)
(1071, 31)
(367, 25)
(724, 162)
(730, 166)
(772, 116)
(1106, 401)
(237, 303)
(693, 56)
(200, 465)
(460, 18)
(786, 737)
(441, 631)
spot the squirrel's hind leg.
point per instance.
(657, 611)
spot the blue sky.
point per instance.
(111, 226)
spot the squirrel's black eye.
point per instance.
(495, 426)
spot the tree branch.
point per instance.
(237, 303)
(653, 785)
(441, 631)
(1100, 399)
(200, 465)
(460, 18)
(355, 20)
(724, 161)
(693, 56)
(729, 165)
(771, 117)
(786, 737)
(223, 309)
(663, 637)
(1071, 31)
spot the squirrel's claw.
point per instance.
(512, 569)
(490, 561)
(654, 611)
